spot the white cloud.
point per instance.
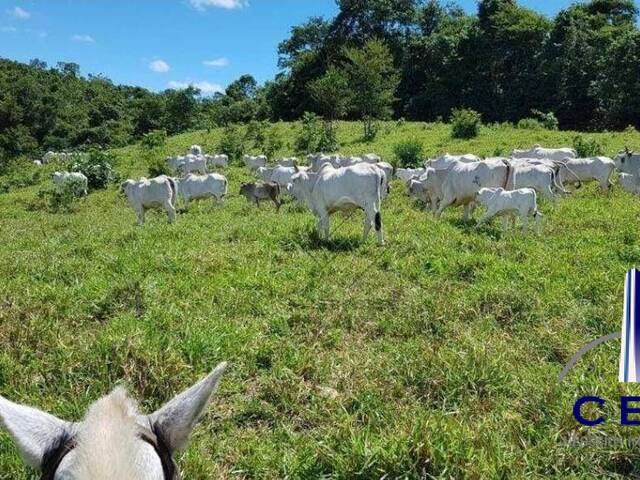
(8, 29)
(20, 13)
(207, 88)
(227, 4)
(217, 63)
(82, 38)
(159, 66)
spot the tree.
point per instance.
(373, 81)
(181, 109)
(331, 96)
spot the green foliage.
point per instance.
(272, 143)
(159, 166)
(97, 166)
(530, 124)
(154, 139)
(465, 123)
(331, 94)
(373, 80)
(315, 135)
(548, 120)
(232, 142)
(409, 153)
(587, 147)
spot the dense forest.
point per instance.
(411, 59)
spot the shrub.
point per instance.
(587, 147)
(232, 142)
(154, 139)
(316, 135)
(529, 124)
(465, 123)
(408, 153)
(548, 120)
(158, 167)
(272, 143)
(55, 201)
(256, 133)
(97, 166)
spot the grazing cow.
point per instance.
(628, 162)
(458, 185)
(37, 163)
(407, 174)
(175, 162)
(331, 189)
(196, 187)
(371, 158)
(195, 150)
(499, 201)
(114, 441)
(159, 192)
(537, 152)
(282, 175)
(288, 162)
(254, 192)
(265, 173)
(631, 183)
(446, 161)
(219, 160)
(193, 163)
(539, 177)
(255, 162)
(580, 170)
(76, 181)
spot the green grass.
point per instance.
(436, 356)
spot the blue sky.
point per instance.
(166, 43)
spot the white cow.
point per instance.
(627, 162)
(193, 163)
(631, 183)
(195, 150)
(458, 185)
(265, 173)
(406, 174)
(159, 192)
(175, 162)
(330, 190)
(283, 175)
(539, 177)
(219, 160)
(580, 170)
(255, 162)
(76, 181)
(498, 201)
(538, 152)
(37, 163)
(446, 161)
(197, 187)
(288, 162)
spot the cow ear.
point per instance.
(32, 430)
(176, 420)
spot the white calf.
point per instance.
(193, 163)
(499, 201)
(255, 162)
(196, 187)
(159, 192)
(77, 181)
(220, 160)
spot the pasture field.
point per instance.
(435, 356)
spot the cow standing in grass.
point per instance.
(159, 192)
(342, 189)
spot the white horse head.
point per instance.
(114, 441)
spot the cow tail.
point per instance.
(174, 190)
(556, 181)
(563, 165)
(509, 171)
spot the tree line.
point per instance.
(376, 59)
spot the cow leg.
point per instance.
(257, 202)
(377, 220)
(486, 218)
(171, 212)
(525, 223)
(441, 208)
(505, 222)
(323, 226)
(140, 215)
(368, 222)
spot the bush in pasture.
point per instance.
(159, 166)
(232, 142)
(52, 200)
(154, 139)
(587, 147)
(256, 134)
(409, 153)
(97, 166)
(465, 123)
(529, 124)
(272, 143)
(315, 136)
(549, 121)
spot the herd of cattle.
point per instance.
(331, 183)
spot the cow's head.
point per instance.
(301, 185)
(485, 194)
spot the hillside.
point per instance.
(437, 355)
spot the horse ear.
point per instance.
(177, 419)
(33, 431)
